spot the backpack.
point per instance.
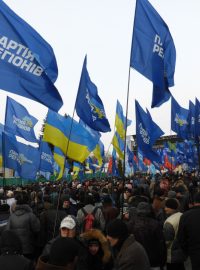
(89, 220)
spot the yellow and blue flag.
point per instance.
(89, 106)
(68, 135)
(120, 121)
(60, 160)
(99, 152)
(118, 145)
(19, 122)
(28, 65)
(153, 53)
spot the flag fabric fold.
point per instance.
(77, 144)
(153, 53)
(120, 121)
(23, 158)
(19, 122)
(89, 106)
(179, 119)
(28, 64)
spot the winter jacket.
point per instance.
(189, 235)
(47, 220)
(26, 225)
(174, 251)
(149, 234)
(131, 256)
(15, 262)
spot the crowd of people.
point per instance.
(138, 223)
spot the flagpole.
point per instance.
(127, 100)
(61, 183)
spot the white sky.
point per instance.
(102, 29)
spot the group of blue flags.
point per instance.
(28, 68)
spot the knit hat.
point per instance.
(117, 229)
(63, 251)
(172, 204)
(68, 223)
(171, 194)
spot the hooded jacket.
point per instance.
(103, 258)
(25, 224)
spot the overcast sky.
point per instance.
(102, 29)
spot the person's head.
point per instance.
(93, 246)
(197, 199)
(89, 199)
(68, 227)
(117, 231)
(144, 209)
(171, 206)
(22, 198)
(63, 252)
(65, 200)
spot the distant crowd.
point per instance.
(137, 223)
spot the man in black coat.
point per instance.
(128, 253)
(189, 232)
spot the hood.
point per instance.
(97, 234)
(22, 209)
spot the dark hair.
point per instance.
(22, 198)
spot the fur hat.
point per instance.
(94, 234)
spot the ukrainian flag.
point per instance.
(76, 145)
(99, 152)
(60, 160)
(118, 144)
(120, 121)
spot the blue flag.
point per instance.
(153, 52)
(18, 121)
(1, 131)
(23, 158)
(147, 131)
(197, 118)
(191, 120)
(179, 119)
(89, 106)
(28, 65)
(46, 157)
